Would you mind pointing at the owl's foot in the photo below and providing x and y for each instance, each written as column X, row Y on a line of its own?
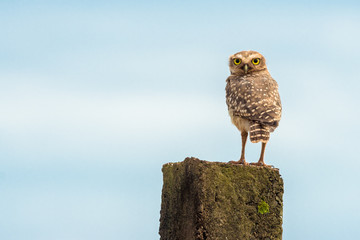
column 241, row 161
column 261, row 164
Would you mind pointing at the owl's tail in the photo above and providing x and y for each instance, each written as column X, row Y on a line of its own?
column 259, row 133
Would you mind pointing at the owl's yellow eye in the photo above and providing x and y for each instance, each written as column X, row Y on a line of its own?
column 256, row 61
column 237, row 61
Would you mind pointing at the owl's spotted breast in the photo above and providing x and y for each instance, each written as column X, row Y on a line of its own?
column 254, row 97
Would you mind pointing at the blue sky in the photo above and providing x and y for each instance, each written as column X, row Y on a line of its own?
column 95, row 97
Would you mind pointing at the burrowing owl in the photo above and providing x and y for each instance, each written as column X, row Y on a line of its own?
column 253, row 100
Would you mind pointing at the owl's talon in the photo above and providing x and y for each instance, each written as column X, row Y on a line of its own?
column 241, row 162
column 261, row 164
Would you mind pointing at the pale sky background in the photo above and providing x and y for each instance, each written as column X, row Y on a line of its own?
column 95, row 96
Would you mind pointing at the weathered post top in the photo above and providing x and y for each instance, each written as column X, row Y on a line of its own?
column 217, row 201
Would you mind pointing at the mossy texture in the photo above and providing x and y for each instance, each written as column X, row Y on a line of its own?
column 263, row 207
column 219, row 201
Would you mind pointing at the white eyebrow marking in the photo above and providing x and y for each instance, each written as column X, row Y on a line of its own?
column 254, row 55
column 238, row 55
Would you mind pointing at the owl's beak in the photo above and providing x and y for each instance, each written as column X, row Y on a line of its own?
column 246, row 68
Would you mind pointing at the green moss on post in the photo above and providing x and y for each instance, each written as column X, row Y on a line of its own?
column 263, row 207
column 209, row 201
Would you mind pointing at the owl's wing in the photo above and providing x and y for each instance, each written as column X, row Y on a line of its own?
column 257, row 100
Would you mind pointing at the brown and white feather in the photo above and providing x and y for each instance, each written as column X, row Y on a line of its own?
column 253, row 101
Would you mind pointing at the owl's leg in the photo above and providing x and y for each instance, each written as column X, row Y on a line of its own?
column 261, row 160
column 244, row 136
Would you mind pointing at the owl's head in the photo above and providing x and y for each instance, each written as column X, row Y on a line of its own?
column 246, row 62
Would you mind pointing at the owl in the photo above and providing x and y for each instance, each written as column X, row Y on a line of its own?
column 253, row 100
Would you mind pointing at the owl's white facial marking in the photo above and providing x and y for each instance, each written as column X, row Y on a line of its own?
column 252, row 56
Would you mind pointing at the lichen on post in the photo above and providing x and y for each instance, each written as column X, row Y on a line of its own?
column 210, row 200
